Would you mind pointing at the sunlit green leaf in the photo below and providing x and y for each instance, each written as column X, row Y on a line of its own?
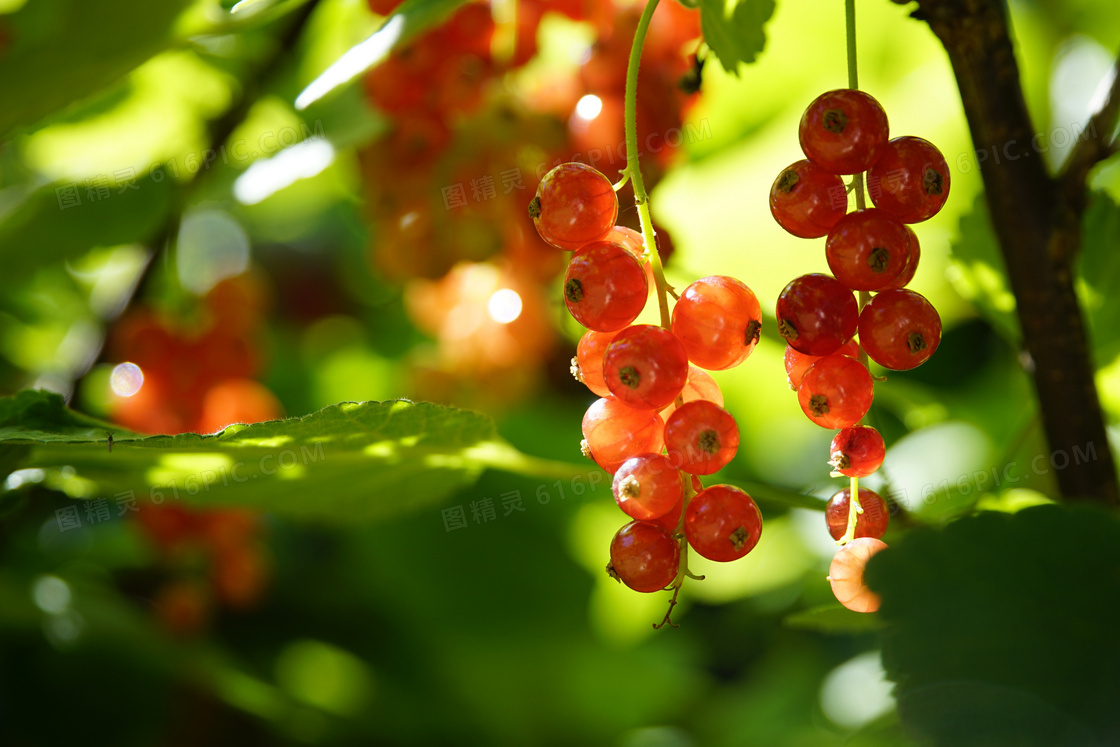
column 349, row 461
column 411, row 19
column 64, row 50
column 735, row 33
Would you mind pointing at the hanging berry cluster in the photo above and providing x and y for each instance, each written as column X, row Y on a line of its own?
column 870, row 250
column 660, row 423
column 468, row 137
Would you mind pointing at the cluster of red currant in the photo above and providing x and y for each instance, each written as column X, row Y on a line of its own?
column 871, row 250
column 198, row 378
column 469, row 137
column 655, row 397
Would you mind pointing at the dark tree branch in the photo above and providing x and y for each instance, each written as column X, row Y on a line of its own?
column 1037, row 221
column 1087, row 152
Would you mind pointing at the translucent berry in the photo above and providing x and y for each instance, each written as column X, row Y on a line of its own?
column 701, row 437
column 613, row 432
column 588, row 363
column 644, row 556
column 672, row 518
column 700, row 385
column 871, row 523
column 857, row 451
column 817, row 314
column 836, row 392
column 910, row 180
column 722, row 523
column 647, row 486
column 645, row 366
column 798, row 363
column 718, row 320
column 846, row 574
column 631, row 241
column 605, row 288
column 912, row 259
column 807, row 201
column 843, row 131
column 899, row 329
column 574, row 205
column 867, row 249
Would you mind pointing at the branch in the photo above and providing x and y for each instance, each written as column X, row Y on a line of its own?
column 1088, row 152
column 1037, row 221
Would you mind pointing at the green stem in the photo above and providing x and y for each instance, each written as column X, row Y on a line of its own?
column 853, row 82
column 854, row 510
column 633, row 168
column 850, row 24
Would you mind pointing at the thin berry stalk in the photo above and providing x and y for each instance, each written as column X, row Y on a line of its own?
column 633, row 169
column 854, row 510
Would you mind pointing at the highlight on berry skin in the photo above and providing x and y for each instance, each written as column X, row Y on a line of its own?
column 574, row 206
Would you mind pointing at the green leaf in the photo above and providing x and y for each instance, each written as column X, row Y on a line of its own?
column 833, row 618
column 348, row 462
column 735, row 32
column 46, row 228
column 979, row 274
column 411, row 19
column 1099, row 275
column 64, row 50
column 1001, row 628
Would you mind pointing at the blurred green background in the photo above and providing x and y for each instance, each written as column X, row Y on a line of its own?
column 162, row 196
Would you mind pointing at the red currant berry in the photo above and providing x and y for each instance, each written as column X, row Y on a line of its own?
column 631, row 241
column 722, row 523
column 605, row 288
column 807, row 201
column 798, row 363
column 647, row 486
column 718, row 320
column 699, row 386
column 701, row 437
column 910, row 180
column 817, row 314
column 857, row 451
column 867, row 250
column 627, row 238
column 574, row 205
column 899, row 329
column 587, row 366
column 645, row 366
column 843, row 131
column 671, row 519
column 871, row 523
column 912, row 258
column 845, row 574
column 836, row 392
column 644, row 556
column 613, row 432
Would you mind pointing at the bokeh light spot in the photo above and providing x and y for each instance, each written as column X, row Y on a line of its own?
column 126, row 379
column 504, row 306
column 589, row 107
